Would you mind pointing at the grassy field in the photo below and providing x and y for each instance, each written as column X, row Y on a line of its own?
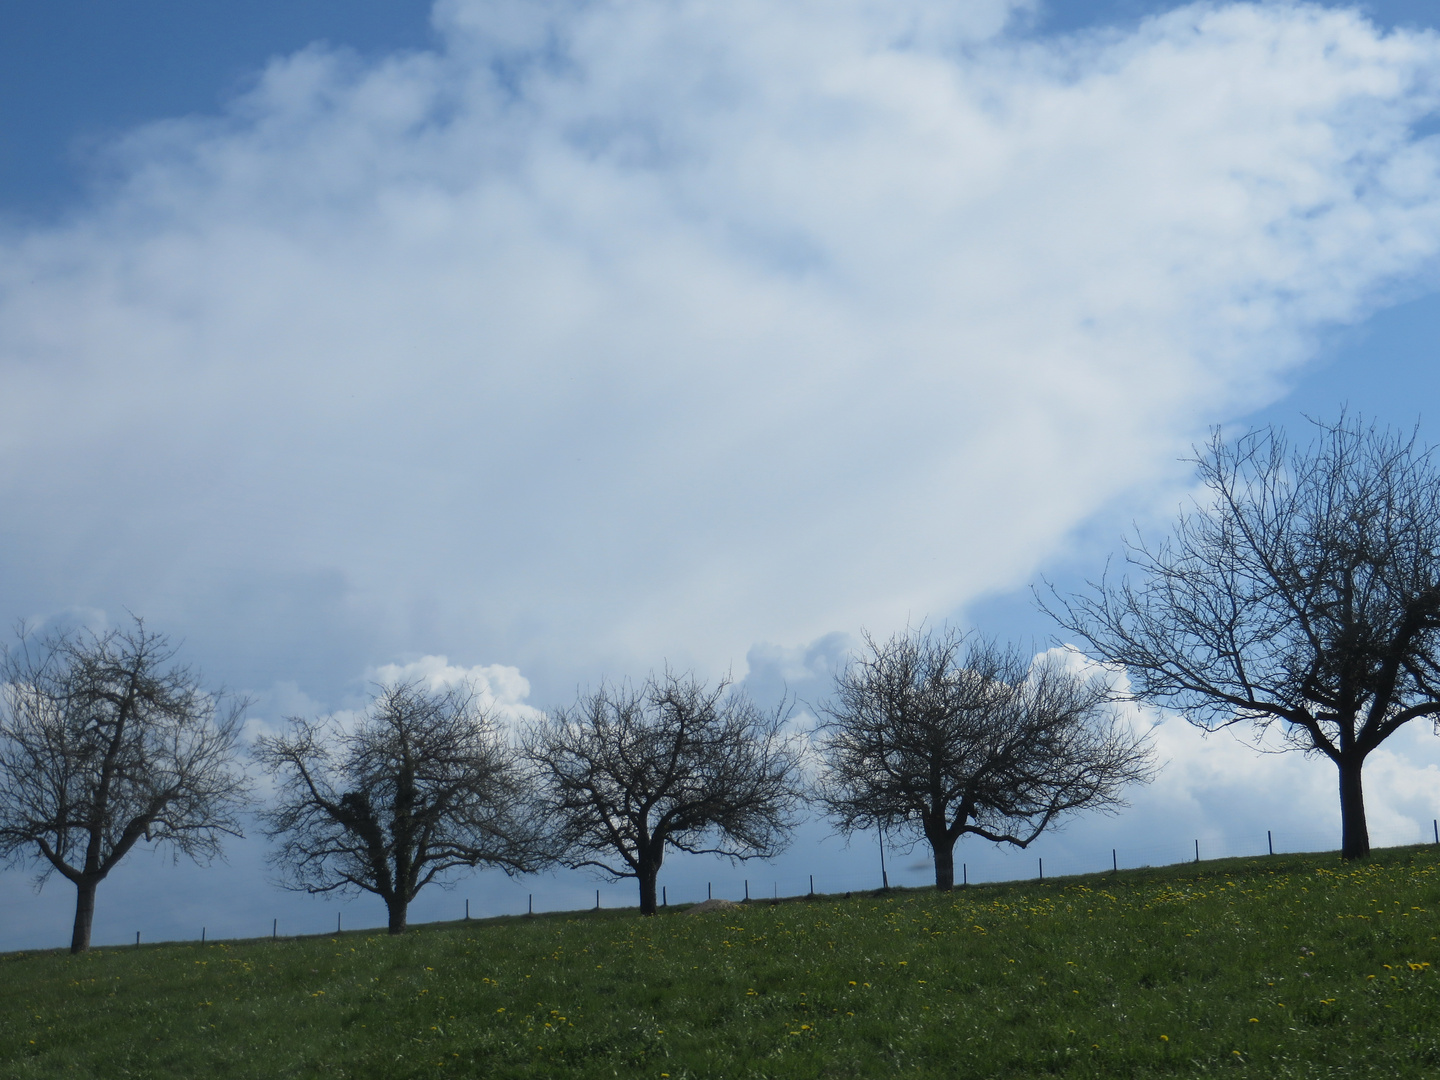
column 1291, row 966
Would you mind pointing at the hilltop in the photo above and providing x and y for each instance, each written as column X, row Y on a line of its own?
column 1288, row 966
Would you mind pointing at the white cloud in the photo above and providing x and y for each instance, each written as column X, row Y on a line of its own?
column 1218, row 788
column 499, row 690
column 618, row 331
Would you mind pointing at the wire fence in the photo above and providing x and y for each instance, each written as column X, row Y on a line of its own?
column 1015, row 865
column 992, row 866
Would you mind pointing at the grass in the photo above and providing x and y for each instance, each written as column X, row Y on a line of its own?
column 1289, row 966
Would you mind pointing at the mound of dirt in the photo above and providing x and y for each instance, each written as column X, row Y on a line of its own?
column 712, row 905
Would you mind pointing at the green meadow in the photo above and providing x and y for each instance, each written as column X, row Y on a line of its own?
column 1288, row 966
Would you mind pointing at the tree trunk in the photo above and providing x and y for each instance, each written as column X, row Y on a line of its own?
column 647, row 877
column 398, row 908
column 84, row 914
column 943, row 848
column 1354, row 834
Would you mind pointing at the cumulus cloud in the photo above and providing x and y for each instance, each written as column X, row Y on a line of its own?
column 1219, row 789
column 613, row 331
column 499, row 690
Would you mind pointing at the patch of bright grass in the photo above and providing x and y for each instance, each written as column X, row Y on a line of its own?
column 1292, row 966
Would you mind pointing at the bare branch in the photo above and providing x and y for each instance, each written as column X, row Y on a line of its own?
column 676, row 763
column 1303, row 595
column 423, row 785
column 939, row 736
column 104, row 743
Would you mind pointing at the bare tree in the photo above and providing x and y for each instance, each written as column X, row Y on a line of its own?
column 940, row 736
column 104, row 743
column 424, row 783
column 675, row 764
column 1301, row 594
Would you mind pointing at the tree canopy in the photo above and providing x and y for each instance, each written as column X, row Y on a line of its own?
column 1299, row 594
column 105, row 743
column 629, row 772
column 941, row 736
column 423, row 783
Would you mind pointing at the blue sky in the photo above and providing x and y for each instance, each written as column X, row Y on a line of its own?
column 561, row 340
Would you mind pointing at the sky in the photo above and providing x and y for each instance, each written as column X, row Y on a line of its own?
column 544, row 342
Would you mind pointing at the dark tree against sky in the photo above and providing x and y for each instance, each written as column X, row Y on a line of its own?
column 424, row 783
column 673, row 764
column 105, row 743
column 1300, row 594
column 939, row 736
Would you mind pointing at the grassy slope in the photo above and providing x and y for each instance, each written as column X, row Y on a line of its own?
column 1278, row 967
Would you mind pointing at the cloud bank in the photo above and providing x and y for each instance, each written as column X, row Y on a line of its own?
column 619, row 330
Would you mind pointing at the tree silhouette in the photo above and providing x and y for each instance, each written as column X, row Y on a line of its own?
column 104, row 743
column 674, row 764
column 422, row 784
column 1301, row 593
column 942, row 736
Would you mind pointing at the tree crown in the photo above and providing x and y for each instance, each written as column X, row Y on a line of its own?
column 940, row 734
column 422, row 783
column 105, row 742
column 676, row 763
column 1304, row 590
